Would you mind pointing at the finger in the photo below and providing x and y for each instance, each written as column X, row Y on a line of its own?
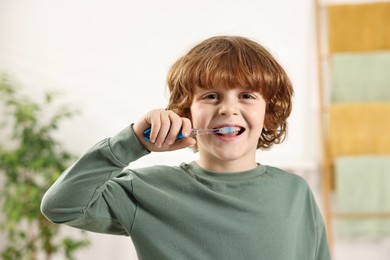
column 186, row 126
column 154, row 119
column 179, row 144
column 164, row 126
column 176, row 125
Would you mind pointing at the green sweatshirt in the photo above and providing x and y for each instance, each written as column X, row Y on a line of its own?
column 187, row 212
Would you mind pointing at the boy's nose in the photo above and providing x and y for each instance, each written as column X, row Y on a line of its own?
column 228, row 107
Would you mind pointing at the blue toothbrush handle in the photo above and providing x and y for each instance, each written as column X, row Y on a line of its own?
column 147, row 135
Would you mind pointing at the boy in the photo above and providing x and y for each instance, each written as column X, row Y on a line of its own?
column 223, row 206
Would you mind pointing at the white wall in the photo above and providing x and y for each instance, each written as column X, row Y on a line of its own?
column 110, row 59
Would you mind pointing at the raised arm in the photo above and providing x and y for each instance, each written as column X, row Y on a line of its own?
column 86, row 197
column 79, row 192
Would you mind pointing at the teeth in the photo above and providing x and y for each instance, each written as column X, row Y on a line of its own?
column 231, row 130
column 237, row 130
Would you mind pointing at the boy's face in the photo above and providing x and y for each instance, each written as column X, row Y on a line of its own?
column 219, row 107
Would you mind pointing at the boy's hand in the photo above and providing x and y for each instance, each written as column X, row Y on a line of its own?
column 165, row 126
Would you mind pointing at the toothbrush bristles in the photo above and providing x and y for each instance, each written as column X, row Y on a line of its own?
column 229, row 130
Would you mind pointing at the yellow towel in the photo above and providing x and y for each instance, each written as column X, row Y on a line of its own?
column 360, row 27
column 359, row 128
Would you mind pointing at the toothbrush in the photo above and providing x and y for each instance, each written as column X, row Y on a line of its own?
column 195, row 132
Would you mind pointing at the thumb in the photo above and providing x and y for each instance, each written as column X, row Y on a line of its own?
column 180, row 144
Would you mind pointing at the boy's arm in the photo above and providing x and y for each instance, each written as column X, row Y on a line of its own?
column 86, row 197
column 77, row 197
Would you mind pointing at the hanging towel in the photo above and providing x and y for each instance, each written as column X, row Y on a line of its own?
column 359, row 128
column 360, row 27
column 359, row 77
column 363, row 184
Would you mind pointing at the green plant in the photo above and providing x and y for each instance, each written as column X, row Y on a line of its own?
column 31, row 159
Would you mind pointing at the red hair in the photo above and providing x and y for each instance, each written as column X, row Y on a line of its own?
column 234, row 61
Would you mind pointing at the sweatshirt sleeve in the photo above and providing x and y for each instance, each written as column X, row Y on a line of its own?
column 323, row 252
column 83, row 196
column 322, row 247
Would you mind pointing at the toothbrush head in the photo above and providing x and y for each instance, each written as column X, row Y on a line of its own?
column 229, row 130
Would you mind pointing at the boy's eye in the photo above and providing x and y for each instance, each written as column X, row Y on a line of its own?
column 248, row 96
column 211, row 96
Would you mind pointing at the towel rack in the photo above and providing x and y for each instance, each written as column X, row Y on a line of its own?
column 325, row 49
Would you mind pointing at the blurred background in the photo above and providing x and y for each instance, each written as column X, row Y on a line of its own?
column 109, row 60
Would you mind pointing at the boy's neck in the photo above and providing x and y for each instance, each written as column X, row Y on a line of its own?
column 226, row 166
